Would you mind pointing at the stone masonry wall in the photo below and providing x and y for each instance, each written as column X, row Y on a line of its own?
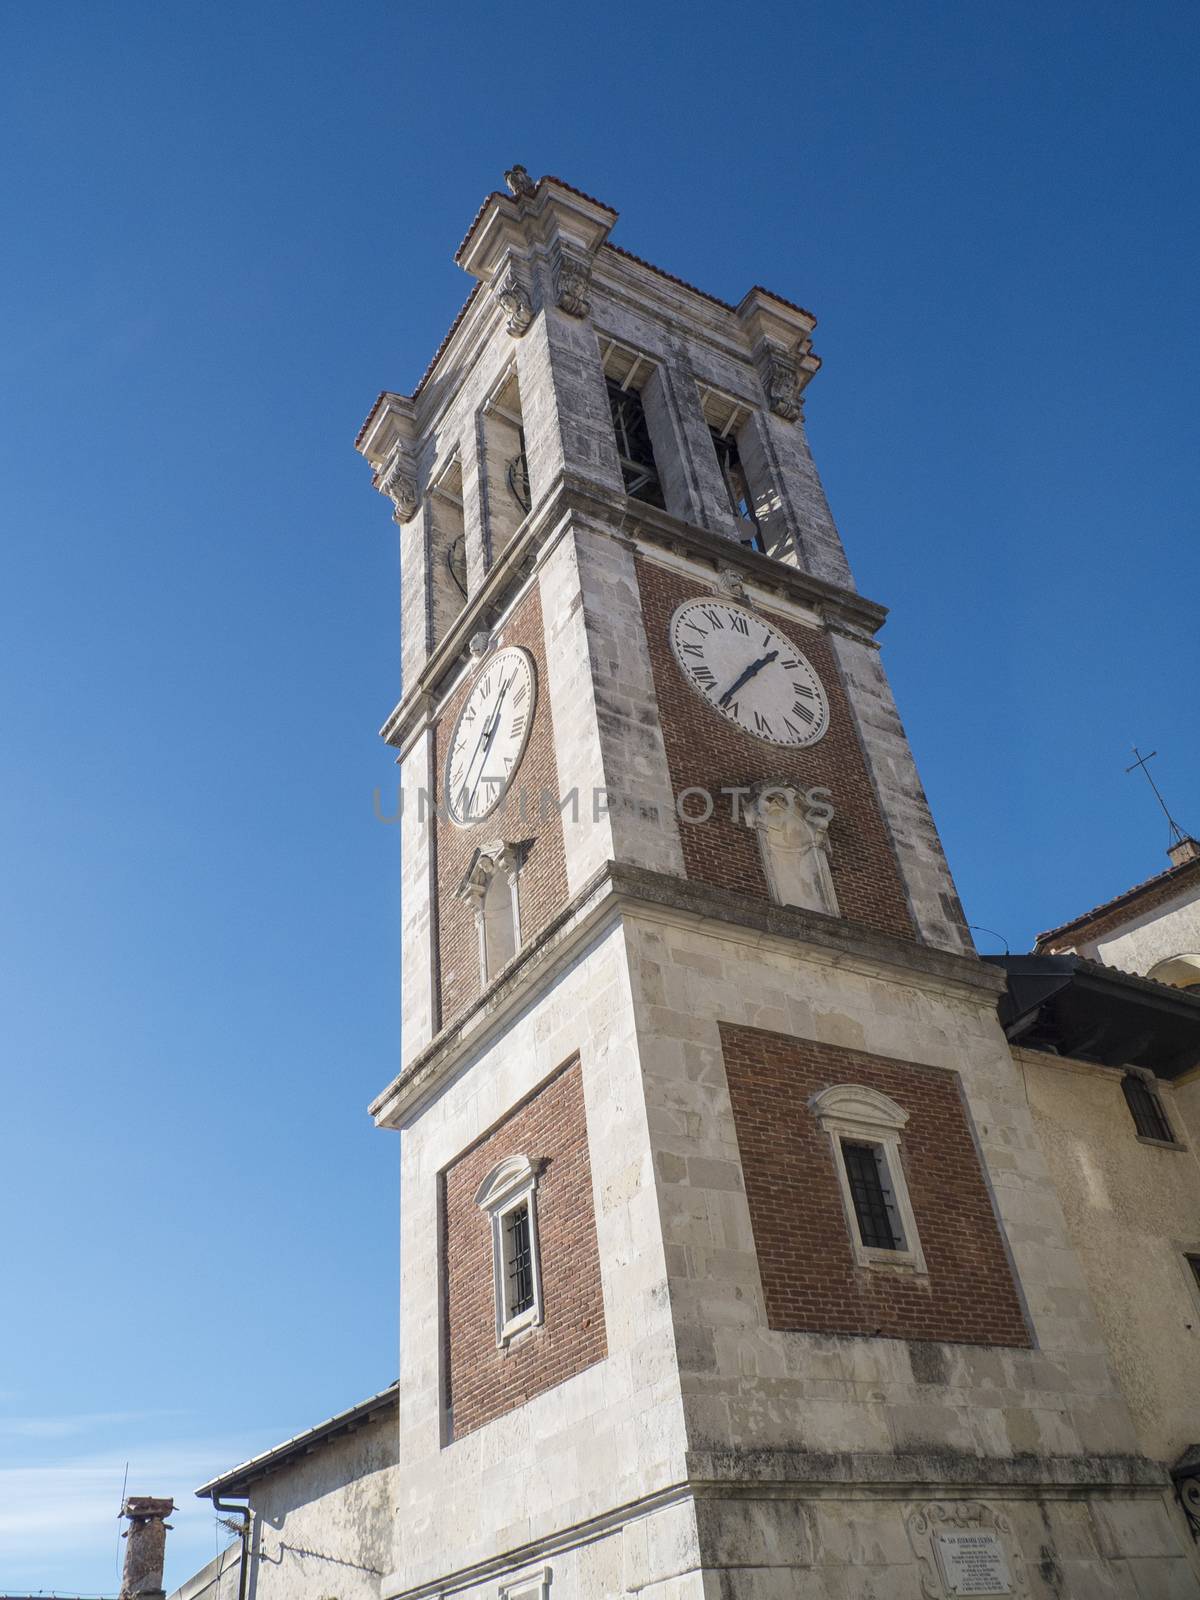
column 482, row 1381
column 706, row 751
column 809, row 1275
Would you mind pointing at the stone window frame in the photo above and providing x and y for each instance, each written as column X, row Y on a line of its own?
column 851, row 1111
column 767, row 532
column 1149, row 1080
column 510, row 1184
column 529, row 1586
column 629, row 369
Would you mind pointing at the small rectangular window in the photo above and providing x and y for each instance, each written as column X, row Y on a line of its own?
column 1194, row 1263
column 518, row 1261
column 871, row 1192
column 1146, row 1108
column 636, row 453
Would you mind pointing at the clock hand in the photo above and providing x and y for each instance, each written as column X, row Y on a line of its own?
column 486, row 737
column 754, row 667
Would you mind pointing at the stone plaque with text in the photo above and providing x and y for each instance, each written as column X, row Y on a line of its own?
column 973, row 1563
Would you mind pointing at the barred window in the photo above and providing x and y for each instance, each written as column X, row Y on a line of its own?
column 870, row 1190
column 509, row 1196
column 518, row 1260
column 1146, row 1108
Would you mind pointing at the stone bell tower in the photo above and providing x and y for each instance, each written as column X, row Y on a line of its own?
column 728, row 1255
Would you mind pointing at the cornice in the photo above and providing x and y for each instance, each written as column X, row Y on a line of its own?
column 620, row 890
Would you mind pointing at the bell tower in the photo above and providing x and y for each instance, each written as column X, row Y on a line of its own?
column 728, row 1255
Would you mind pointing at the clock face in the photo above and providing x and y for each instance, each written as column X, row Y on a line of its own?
column 490, row 735
column 749, row 672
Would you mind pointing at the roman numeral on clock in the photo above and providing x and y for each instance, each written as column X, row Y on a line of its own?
column 713, row 618
column 704, row 677
column 740, row 625
column 801, row 710
column 761, row 723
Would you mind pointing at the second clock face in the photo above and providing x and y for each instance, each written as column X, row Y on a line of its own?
column 749, row 672
column 490, row 735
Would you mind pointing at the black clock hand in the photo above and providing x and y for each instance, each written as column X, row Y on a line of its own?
column 754, row 667
column 488, row 734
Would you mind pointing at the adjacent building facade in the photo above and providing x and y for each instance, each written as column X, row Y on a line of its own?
column 735, row 1258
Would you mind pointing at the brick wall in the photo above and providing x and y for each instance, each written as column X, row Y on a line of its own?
column 543, row 880
column 483, row 1382
column 705, row 750
column 809, row 1275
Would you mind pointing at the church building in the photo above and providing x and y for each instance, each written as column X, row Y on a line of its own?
column 753, row 1228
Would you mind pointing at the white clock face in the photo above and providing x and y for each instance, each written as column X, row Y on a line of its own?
column 489, row 737
column 749, row 672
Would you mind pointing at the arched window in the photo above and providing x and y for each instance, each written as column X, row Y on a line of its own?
column 509, row 1196
column 1181, row 972
column 864, row 1129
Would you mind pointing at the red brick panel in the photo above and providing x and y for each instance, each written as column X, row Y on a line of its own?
column 810, row 1278
column 543, row 881
column 705, row 750
column 482, row 1381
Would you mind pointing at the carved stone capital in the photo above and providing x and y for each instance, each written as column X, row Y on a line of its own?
column 398, row 481
column 572, row 281
column 514, row 300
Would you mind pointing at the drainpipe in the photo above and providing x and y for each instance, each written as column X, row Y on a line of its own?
column 246, row 1515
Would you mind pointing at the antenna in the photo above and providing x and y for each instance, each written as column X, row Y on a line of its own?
column 124, row 1486
column 1177, row 833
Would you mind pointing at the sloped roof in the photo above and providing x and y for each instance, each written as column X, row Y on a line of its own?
column 237, row 1479
column 1127, row 897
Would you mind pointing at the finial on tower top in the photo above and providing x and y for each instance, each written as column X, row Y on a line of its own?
column 519, row 182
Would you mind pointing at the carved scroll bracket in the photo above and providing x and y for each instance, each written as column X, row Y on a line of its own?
column 398, row 480
column 514, row 300
column 572, row 280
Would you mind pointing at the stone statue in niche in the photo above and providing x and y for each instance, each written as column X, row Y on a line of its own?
column 793, row 838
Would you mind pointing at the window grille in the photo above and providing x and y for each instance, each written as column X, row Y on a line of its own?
column 872, row 1201
column 1146, row 1108
column 519, row 1251
column 636, row 453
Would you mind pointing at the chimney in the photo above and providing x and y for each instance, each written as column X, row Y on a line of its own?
column 142, row 1578
column 1183, row 851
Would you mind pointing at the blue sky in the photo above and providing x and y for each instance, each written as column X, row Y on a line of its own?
column 226, row 228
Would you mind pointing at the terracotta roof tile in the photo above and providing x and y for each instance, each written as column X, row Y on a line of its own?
column 1106, row 906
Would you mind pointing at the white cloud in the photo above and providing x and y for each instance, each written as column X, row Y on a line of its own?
column 59, row 1524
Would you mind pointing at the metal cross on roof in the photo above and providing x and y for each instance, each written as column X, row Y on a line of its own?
column 1177, row 833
